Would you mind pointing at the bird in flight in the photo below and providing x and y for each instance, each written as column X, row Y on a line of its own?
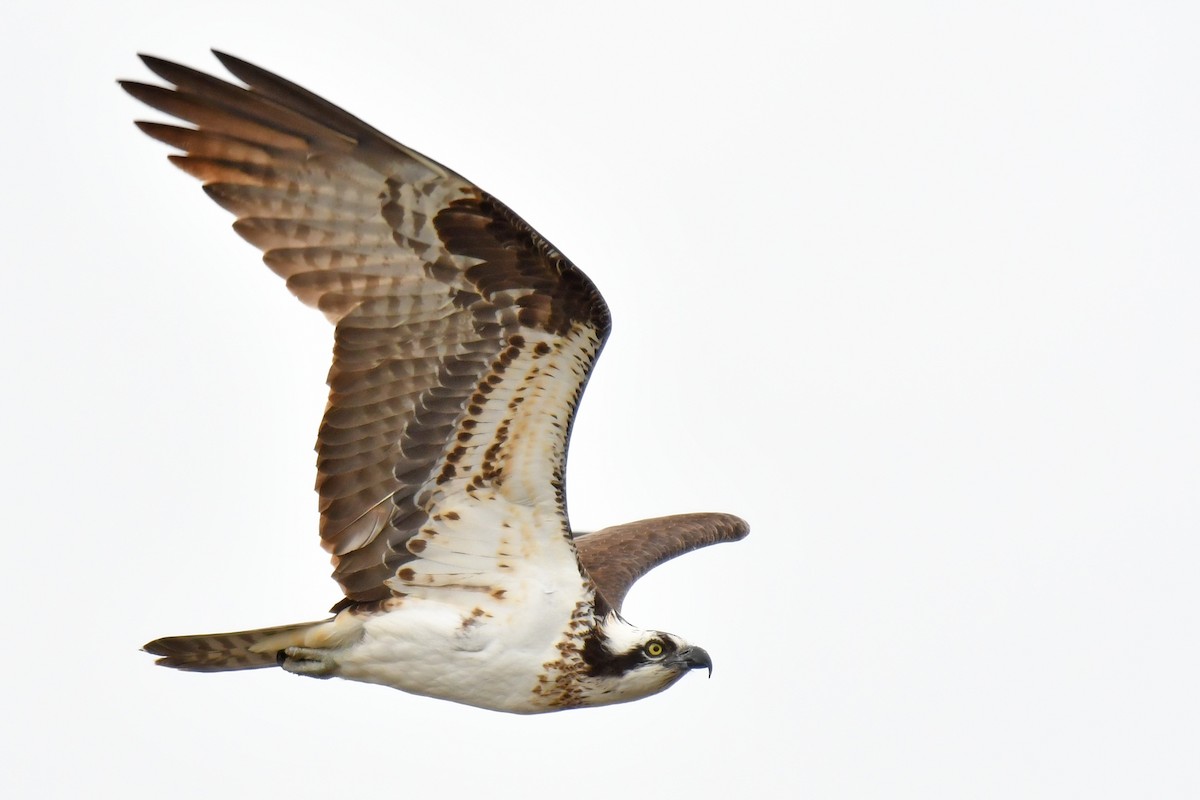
column 462, row 344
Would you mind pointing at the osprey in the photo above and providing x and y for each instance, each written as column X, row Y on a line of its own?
column 463, row 341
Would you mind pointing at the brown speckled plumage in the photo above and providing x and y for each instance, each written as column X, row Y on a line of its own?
column 463, row 341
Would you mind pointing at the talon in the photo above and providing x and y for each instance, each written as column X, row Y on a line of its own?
column 307, row 661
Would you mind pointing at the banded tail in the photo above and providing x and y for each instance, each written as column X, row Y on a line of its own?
column 221, row 652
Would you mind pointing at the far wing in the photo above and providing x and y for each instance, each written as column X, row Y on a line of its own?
column 616, row 557
column 463, row 338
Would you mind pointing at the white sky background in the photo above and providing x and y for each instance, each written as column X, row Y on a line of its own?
column 912, row 287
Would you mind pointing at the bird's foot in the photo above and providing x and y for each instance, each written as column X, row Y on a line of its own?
column 307, row 661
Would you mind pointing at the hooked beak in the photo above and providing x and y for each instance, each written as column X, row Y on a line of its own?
column 694, row 658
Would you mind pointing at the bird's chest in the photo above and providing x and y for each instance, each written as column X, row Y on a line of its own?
column 521, row 654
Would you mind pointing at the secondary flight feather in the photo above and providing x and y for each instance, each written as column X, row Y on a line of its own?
column 462, row 344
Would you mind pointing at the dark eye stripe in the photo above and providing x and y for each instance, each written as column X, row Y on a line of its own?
column 601, row 661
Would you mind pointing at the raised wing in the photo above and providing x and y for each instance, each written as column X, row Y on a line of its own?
column 463, row 339
column 616, row 557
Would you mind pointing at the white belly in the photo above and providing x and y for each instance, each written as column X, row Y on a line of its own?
column 495, row 656
column 484, row 612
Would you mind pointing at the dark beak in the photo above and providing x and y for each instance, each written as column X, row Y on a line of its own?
column 694, row 658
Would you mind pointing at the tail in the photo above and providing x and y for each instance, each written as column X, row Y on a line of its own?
column 220, row 652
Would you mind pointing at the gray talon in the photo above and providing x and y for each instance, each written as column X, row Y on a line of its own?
column 307, row 661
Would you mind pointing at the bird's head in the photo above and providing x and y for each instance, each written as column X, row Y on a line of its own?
column 623, row 662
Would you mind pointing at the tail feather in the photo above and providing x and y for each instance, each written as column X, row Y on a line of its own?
column 220, row 652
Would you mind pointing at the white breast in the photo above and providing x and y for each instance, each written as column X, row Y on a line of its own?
column 478, row 624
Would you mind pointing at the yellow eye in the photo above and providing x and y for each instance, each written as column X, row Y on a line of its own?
column 654, row 649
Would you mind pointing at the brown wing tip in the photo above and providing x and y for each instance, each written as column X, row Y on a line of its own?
column 162, row 68
column 717, row 526
column 139, row 90
column 735, row 527
column 233, row 63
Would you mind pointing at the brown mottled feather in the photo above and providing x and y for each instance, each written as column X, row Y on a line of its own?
column 616, row 557
column 433, row 286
